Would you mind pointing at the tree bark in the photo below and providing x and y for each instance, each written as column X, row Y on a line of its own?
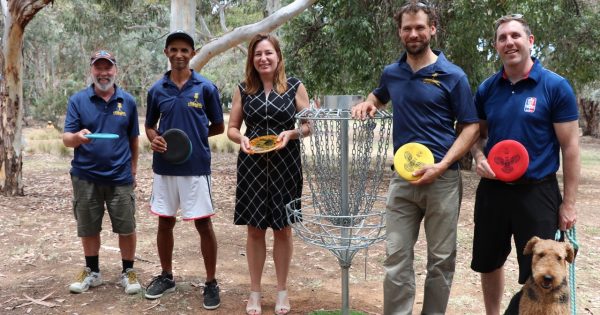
column 590, row 113
column 183, row 16
column 17, row 15
column 245, row 33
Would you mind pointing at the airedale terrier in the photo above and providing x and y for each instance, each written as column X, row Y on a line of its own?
column 547, row 291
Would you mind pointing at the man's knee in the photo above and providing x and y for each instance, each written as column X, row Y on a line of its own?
column 166, row 223
column 203, row 225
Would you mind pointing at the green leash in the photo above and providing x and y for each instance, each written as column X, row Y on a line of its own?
column 572, row 237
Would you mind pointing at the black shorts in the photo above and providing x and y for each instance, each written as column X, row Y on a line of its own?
column 503, row 210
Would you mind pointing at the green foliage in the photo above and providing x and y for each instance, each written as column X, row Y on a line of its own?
column 341, row 47
column 61, row 38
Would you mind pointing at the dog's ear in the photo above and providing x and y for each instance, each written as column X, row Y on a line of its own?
column 529, row 247
column 570, row 252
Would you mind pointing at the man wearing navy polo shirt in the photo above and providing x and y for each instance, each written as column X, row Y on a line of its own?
column 185, row 100
column 103, row 170
column 537, row 107
column 428, row 94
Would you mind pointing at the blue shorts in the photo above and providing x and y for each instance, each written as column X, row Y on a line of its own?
column 503, row 210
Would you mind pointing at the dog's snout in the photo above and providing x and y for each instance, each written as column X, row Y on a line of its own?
column 548, row 278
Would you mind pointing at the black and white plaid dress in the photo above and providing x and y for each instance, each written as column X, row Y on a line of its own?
column 267, row 182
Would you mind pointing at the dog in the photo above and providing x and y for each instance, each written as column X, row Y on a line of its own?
column 546, row 292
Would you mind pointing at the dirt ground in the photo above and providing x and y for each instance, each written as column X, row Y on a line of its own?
column 40, row 254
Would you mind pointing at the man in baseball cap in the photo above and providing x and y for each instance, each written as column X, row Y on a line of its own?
column 102, row 54
column 180, row 34
column 103, row 172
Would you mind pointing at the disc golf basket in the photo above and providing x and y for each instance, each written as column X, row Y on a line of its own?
column 343, row 161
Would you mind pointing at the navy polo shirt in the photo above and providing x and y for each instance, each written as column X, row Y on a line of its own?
column 103, row 161
column 427, row 103
column 526, row 112
column 191, row 109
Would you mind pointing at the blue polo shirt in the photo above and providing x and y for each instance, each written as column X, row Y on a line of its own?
column 191, row 109
column 103, row 161
column 526, row 112
column 427, row 103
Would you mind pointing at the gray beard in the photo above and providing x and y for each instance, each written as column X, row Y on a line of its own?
column 104, row 87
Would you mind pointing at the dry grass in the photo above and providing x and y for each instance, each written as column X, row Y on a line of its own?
column 49, row 140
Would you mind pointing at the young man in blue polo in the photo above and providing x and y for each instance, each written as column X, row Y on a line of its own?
column 429, row 95
column 103, row 171
column 527, row 103
column 185, row 100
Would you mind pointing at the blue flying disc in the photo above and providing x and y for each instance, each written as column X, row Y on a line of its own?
column 102, row 136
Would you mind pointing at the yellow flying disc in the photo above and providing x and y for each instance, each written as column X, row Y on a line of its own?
column 411, row 157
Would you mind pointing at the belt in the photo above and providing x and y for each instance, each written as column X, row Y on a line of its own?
column 530, row 181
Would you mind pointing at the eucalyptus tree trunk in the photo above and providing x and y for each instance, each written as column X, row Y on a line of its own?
column 271, row 6
column 17, row 15
column 183, row 16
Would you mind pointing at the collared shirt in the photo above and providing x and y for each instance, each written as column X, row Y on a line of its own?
column 526, row 111
column 103, row 161
column 427, row 103
column 191, row 109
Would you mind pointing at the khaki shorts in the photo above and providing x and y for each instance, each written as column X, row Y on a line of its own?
column 88, row 206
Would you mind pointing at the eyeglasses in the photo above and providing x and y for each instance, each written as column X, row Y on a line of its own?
column 419, row 4
column 102, row 53
column 509, row 17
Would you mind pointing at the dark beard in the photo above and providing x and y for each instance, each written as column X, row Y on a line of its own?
column 418, row 50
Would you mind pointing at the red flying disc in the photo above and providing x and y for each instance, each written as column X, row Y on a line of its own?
column 509, row 160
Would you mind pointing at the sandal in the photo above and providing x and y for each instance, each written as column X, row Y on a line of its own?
column 253, row 306
column 282, row 305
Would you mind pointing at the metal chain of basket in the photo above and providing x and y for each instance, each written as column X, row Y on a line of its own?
column 343, row 161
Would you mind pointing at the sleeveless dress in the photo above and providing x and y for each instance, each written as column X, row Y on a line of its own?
column 267, row 182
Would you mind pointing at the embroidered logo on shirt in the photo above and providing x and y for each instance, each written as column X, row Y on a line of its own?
column 195, row 102
column 433, row 80
column 530, row 104
column 119, row 111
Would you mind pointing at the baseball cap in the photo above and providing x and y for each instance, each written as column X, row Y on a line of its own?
column 102, row 54
column 180, row 34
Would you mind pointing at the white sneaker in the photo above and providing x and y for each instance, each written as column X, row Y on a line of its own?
column 130, row 282
column 85, row 280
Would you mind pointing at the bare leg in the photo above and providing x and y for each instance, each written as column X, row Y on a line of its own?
column 256, row 252
column 91, row 245
column 164, row 242
column 492, row 284
column 282, row 255
column 127, row 245
column 208, row 246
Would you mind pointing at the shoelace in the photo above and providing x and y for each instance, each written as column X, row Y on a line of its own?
column 81, row 276
column 132, row 277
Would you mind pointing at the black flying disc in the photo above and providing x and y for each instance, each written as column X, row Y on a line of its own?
column 179, row 146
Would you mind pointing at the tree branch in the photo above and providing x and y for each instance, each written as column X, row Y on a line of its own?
column 244, row 33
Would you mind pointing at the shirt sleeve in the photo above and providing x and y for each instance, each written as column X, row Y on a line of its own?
column 152, row 111
column 72, row 119
column 381, row 92
column 134, row 126
column 564, row 104
column 462, row 101
column 212, row 101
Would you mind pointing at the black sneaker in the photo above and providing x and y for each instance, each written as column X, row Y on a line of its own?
column 159, row 286
column 211, row 295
